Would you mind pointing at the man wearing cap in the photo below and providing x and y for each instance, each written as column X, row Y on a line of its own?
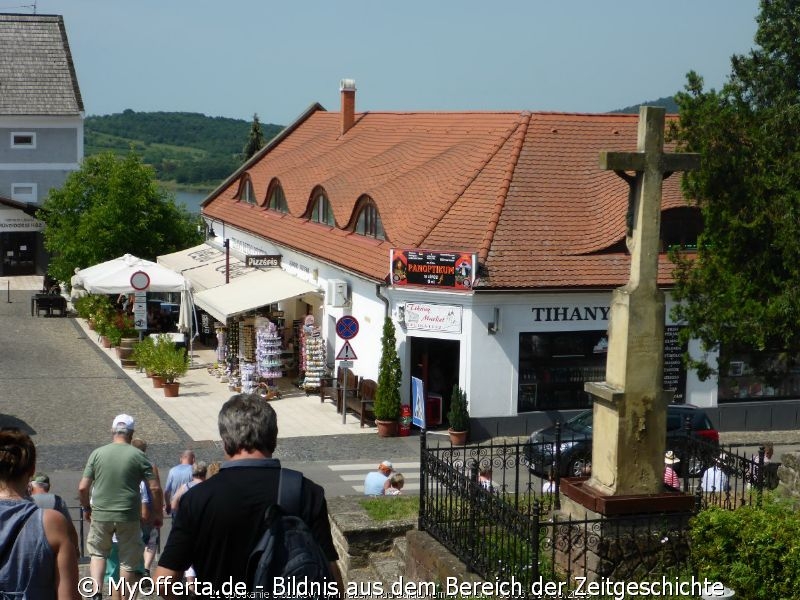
column 376, row 482
column 44, row 498
column 112, row 477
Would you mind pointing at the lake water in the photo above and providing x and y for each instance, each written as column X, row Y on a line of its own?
column 191, row 200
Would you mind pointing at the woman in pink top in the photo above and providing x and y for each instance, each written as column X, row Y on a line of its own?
column 670, row 476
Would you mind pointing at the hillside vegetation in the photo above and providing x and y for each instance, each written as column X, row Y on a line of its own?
column 185, row 149
column 191, row 150
column 668, row 102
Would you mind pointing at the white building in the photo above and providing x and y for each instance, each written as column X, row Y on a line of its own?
column 41, row 131
column 492, row 240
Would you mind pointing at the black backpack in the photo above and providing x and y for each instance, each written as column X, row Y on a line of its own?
column 287, row 549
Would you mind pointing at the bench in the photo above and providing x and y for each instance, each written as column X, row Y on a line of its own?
column 364, row 405
column 333, row 389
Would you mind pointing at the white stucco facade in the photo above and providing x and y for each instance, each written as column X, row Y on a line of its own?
column 487, row 326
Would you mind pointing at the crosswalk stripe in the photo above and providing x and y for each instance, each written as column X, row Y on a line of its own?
column 358, row 471
column 406, row 487
column 360, row 476
column 372, row 466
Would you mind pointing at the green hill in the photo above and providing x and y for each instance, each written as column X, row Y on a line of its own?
column 193, row 151
column 186, row 149
column 668, row 102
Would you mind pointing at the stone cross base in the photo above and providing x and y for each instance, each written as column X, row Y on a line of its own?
column 585, row 501
column 621, row 549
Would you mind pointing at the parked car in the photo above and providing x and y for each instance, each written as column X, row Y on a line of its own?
column 696, row 446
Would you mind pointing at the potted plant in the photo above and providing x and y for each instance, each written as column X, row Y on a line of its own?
column 124, row 336
column 387, row 396
column 169, row 362
column 143, row 355
column 458, row 417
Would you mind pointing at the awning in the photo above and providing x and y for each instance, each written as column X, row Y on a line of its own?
column 204, row 266
column 251, row 291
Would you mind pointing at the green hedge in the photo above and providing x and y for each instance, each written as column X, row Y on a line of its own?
column 754, row 551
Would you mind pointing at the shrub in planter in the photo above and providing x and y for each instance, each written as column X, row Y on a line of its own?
column 168, row 361
column 387, row 395
column 458, row 415
column 84, row 305
column 143, row 354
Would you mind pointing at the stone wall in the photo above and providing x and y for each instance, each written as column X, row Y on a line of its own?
column 357, row 537
column 789, row 476
column 428, row 560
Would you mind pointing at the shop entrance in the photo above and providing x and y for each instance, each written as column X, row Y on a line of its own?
column 436, row 363
column 18, row 249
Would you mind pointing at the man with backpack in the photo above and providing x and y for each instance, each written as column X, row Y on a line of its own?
column 238, row 527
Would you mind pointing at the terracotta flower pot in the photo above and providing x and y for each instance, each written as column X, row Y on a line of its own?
column 387, row 428
column 90, row 323
column 458, row 438
column 158, row 381
column 171, row 389
column 105, row 342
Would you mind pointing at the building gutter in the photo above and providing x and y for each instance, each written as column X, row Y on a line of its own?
column 381, row 297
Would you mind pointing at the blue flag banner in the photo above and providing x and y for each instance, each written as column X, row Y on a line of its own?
column 418, row 402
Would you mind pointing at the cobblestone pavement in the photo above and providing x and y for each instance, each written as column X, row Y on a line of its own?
column 58, row 386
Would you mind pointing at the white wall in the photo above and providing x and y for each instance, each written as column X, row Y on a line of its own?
column 488, row 362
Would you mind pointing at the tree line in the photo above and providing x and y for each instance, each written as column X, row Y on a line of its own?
column 185, row 148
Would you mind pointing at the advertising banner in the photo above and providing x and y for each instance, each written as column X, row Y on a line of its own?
column 443, row 318
column 432, row 269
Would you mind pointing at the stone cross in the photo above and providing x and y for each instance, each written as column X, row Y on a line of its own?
column 629, row 421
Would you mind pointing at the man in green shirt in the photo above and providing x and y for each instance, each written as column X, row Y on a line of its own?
column 111, row 478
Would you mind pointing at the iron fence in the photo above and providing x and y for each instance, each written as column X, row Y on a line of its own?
column 497, row 509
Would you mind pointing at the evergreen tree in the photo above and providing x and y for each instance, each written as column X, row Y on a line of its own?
column 255, row 140
column 387, row 396
column 741, row 288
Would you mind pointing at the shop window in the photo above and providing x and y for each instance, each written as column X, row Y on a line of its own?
column 749, row 375
column 554, row 366
column 369, row 222
column 23, row 140
column 23, row 192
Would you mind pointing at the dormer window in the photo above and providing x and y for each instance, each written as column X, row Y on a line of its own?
column 277, row 200
column 321, row 212
column 246, row 193
column 369, row 222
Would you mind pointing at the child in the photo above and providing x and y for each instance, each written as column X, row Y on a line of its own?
column 396, row 482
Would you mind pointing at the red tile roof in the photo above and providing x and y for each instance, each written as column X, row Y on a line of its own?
column 522, row 190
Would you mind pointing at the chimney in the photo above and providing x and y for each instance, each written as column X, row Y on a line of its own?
column 347, row 87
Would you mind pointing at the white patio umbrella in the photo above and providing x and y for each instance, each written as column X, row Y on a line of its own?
column 187, row 319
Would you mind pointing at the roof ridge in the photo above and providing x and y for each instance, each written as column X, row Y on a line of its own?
column 448, row 205
column 521, row 131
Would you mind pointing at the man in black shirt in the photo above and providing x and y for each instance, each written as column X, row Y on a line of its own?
column 220, row 520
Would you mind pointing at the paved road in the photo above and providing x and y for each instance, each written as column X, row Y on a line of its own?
column 56, row 384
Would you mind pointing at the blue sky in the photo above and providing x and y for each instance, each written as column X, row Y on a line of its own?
column 234, row 58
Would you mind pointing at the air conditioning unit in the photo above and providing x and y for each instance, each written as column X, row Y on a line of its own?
column 337, row 293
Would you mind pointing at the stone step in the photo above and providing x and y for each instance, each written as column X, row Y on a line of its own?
column 388, row 568
column 400, row 548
